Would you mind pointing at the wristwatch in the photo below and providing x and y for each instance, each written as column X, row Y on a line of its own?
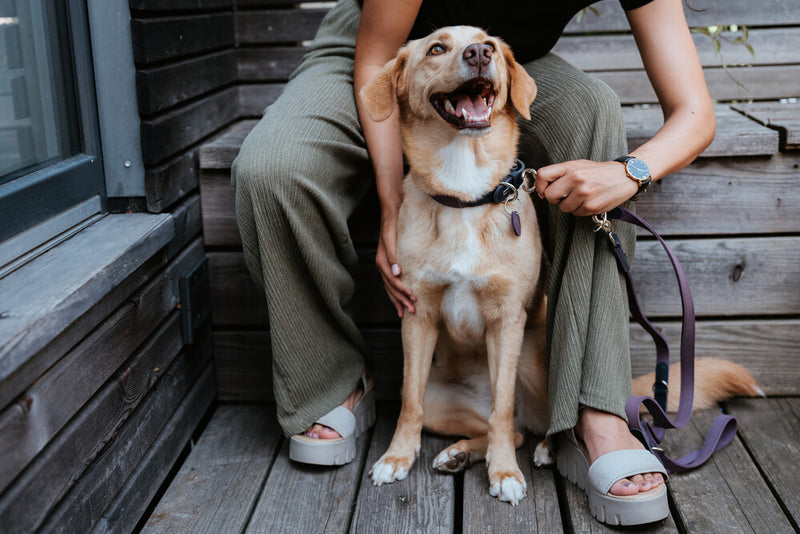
column 636, row 170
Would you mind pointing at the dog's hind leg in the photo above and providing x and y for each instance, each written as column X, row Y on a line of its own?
column 458, row 409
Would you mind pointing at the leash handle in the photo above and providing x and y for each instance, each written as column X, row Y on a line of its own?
column 723, row 429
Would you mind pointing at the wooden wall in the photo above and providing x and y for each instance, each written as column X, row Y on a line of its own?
column 733, row 216
column 92, row 429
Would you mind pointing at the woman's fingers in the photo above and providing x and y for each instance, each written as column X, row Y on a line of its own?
column 386, row 260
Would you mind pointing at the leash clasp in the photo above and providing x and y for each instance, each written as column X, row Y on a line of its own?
column 529, row 176
column 602, row 222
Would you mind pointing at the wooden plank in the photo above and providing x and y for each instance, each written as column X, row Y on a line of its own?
column 244, row 371
column 40, row 413
column 254, row 98
column 217, row 486
column 264, row 3
column 423, row 502
column 736, row 83
column 277, row 25
column 579, row 519
column 268, row 64
column 768, row 348
column 537, row 512
column 81, row 508
column 773, row 46
column 233, row 292
column 161, row 87
column 169, row 182
column 62, row 462
column 327, row 495
column 243, row 366
column 173, row 37
column 218, row 153
column 174, row 5
column 699, row 13
column 218, row 201
column 727, row 196
column 728, row 277
column 188, row 224
column 27, row 373
column 772, row 438
column 725, row 495
column 784, row 117
column 80, row 272
column 133, row 499
column 724, row 196
column 172, row 132
column 736, row 135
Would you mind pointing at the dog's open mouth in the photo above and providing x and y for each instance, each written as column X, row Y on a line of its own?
column 469, row 106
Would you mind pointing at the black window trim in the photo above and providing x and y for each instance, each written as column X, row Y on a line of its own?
column 40, row 196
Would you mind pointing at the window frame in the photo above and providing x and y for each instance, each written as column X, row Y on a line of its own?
column 44, row 207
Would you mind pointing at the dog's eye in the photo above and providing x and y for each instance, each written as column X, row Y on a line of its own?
column 491, row 46
column 436, row 50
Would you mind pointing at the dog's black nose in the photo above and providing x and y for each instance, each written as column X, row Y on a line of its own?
column 478, row 55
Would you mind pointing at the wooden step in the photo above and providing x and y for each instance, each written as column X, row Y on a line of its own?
column 238, row 478
column 781, row 116
column 736, row 135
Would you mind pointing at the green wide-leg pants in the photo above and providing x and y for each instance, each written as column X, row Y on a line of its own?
column 304, row 167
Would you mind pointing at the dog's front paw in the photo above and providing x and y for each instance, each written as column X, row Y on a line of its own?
column 508, row 487
column 451, row 460
column 542, row 455
column 389, row 469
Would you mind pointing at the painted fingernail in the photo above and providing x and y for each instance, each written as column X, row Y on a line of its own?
column 395, row 269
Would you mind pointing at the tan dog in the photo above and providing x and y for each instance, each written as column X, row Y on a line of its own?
column 476, row 281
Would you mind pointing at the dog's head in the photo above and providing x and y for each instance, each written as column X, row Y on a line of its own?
column 459, row 75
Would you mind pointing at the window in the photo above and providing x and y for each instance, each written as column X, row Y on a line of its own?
column 50, row 161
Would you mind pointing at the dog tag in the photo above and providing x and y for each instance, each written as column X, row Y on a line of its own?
column 515, row 223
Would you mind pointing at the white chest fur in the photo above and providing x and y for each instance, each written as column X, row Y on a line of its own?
column 457, row 268
column 460, row 170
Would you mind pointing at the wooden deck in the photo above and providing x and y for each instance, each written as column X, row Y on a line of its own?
column 238, row 478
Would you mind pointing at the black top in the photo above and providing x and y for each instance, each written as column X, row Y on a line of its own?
column 530, row 27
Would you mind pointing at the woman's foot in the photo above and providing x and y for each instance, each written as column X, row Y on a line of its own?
column 603, row 432
column 318, row 431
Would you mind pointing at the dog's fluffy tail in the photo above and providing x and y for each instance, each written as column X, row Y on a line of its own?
column 715, row 380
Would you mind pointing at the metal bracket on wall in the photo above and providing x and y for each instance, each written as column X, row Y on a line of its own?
column 195, row 294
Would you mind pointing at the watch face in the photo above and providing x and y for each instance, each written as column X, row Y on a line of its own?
column 638, row 169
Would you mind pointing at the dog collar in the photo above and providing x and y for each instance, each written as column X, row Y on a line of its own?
column 506, row 191
column 501, row 193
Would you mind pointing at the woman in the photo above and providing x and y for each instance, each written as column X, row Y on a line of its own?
column 304, row 167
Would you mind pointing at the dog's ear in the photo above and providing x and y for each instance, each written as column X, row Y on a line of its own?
column 379, row 95
column 521, row 87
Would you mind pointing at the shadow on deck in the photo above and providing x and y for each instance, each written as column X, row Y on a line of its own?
column 238, row 478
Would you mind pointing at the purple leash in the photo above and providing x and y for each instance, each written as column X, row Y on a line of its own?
column 723, row 429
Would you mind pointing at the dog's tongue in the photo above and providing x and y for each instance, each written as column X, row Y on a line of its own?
column 474, row 105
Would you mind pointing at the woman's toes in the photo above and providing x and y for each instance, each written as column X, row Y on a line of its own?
column 318, row 431
column 624, row 487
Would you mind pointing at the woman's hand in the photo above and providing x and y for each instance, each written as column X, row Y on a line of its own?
column 386, row 260
column 585, row 187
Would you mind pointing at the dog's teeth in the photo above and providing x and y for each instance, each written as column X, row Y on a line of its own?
column 465, row 115
column 448, row 107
